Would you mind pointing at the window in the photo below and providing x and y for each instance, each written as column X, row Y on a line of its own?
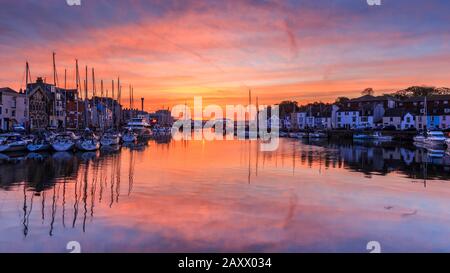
column 0, row 109
column 13, row 113
column 391, row 119
column 1, row 98
column 408, row 119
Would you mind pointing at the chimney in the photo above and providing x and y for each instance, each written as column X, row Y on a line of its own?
column 142, row 104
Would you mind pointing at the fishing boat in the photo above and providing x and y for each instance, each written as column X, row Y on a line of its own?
column 64, row 142
column 110, row 138
column 88, row 142
column 12, row 143
column 129, row 136
column 435, row 138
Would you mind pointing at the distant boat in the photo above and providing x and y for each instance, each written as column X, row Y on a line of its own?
column 12, row 143
column 110, row 138
column 377, row 136
column 140, row 126
column 420, row 138
column 64, row 142
column 435, row 138
column 298, row 135
column 40, row 142
column 88, row 142
column 317, row 135
column 129, row 136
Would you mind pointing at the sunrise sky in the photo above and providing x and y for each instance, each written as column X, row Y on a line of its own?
column 304, row 50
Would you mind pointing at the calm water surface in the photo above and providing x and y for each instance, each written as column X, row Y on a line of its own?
column 227, row 196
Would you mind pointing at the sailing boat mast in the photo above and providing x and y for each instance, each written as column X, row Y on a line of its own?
column 27, row 101
column 86, row 99
column 94, row 112
column 113, row 120
column 55, row 82
column 77, row 79
column 65, row 99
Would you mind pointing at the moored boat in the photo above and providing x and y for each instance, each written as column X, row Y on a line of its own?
column 110, row 138
column 12, row 143
column 64, row 142
column 88, row 142
column 129, row 136
column 315, row 135
column 40, row 142
column 435, row 138
column 375, row 136
column 140, row 127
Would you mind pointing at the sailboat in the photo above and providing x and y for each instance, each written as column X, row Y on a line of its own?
column 64, row 142
column 40, row 142
column 129, row 136
column 88, row 142
column 110, row 138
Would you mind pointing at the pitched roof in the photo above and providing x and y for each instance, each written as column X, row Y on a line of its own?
column 8, row 90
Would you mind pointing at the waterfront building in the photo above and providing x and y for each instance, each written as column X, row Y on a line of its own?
column 46, row 105
column 161, row 118
column 401, row 118
column 12, row 108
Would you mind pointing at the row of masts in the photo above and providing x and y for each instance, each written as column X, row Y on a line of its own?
column 82, row 95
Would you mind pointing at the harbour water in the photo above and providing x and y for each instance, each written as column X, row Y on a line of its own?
column 227, row 196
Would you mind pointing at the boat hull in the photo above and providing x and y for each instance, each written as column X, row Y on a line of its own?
column 38, row 147
column 13, row 148
column 88, row 146
column 110, row 141
column 129, row 138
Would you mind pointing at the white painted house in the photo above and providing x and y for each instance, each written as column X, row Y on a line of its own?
column 12, row 108
column 400, row 118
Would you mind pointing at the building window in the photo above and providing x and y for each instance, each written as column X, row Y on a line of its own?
column 391, row 119
column 408, row 119
column 1, row 98
column 13, row 113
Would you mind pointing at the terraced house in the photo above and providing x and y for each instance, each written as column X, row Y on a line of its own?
column 12, row 108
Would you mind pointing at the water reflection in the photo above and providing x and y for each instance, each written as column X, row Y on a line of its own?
column 158, row 195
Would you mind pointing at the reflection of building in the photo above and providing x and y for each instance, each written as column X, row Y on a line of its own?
column 12, row 108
